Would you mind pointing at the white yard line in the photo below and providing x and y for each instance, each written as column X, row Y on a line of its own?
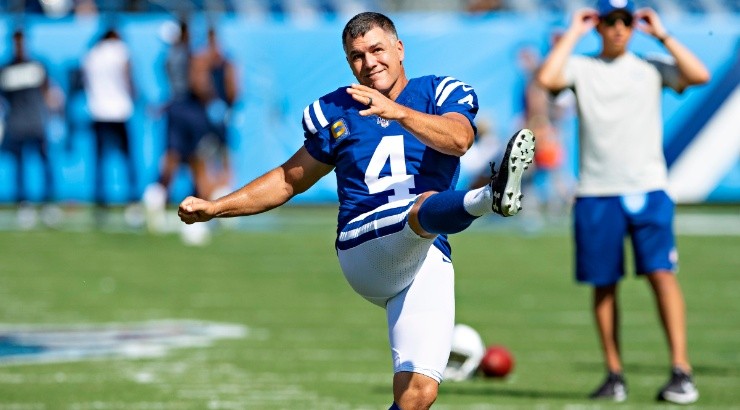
column 708, row 225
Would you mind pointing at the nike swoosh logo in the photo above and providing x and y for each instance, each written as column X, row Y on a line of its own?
column 444, row 259
column 466, row 88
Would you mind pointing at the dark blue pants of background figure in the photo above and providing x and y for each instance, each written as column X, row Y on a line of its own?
column 113, row 135
column 20, row 147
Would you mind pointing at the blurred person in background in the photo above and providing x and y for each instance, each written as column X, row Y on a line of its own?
column 484, row 6
column 29, row 96
column 479, row 158
column 215, row 76
column 177, row 63
column 394, row 145
column 204, row 88
column 547, row 187
column 109, row 89
column 85, row 8
column 623, row 176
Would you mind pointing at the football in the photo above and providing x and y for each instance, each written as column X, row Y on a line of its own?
column 497, row 362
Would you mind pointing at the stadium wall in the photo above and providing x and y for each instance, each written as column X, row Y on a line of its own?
column 286, row 65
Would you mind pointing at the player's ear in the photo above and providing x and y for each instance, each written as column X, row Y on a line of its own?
column 399, row 47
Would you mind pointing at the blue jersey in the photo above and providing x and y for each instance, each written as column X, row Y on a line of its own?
column 377, row 161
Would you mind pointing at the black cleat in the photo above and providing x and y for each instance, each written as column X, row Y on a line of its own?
column 506, row 183
column 614, row 388
column 680, row 389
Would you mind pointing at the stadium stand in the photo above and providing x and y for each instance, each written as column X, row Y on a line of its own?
column 58, row 8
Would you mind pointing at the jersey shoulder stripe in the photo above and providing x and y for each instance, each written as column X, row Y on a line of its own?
column 314, row 111
column 446, row 87
column 441, row 86
column 319, row 114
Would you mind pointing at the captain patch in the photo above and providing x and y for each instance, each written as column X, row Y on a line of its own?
column 339, row 129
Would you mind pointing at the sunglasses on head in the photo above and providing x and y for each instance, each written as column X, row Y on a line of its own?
column 612, row 19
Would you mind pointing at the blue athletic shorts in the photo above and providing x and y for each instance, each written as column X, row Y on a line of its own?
column 601, row 225
column 187, row 126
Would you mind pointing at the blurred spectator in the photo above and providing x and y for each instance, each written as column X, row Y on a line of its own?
column 483, row 6
column 85, row 7
column 25, row 86
column 478, row 159
column 622, row 180
column 109, row 89
column 204, row 88
column 50, row 8
column 549, row 189
column 215, row 77
column 177, row 64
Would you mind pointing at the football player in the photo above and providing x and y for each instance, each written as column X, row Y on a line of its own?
column 394, row 144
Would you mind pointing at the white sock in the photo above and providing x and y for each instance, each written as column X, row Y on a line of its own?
column 479, row 201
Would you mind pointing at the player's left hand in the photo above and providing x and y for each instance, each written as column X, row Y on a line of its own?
column 377, row 103
column 647, row 21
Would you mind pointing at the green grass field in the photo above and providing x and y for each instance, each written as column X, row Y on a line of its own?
column 311, row 343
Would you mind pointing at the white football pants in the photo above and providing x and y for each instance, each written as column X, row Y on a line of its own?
column 412, row 279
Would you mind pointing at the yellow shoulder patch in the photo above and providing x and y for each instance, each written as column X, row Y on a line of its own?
column 338, row 129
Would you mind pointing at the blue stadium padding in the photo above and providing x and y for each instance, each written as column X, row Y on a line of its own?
column 692, row 122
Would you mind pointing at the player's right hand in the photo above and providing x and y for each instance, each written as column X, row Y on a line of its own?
column 194, row 209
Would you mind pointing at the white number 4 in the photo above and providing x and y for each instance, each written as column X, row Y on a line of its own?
column 389, row 149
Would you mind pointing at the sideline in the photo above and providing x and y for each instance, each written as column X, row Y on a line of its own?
column 708, row 224
column 81, row 219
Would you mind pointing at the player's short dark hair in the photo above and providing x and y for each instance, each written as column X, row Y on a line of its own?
column 360, row 24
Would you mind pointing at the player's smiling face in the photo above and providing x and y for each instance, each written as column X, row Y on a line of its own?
column 375, row 59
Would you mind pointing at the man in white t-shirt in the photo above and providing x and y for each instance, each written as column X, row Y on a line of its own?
column 622, row 181
column 109, row 91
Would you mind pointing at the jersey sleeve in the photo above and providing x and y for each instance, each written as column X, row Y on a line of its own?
column 452, row 95
column 666, row 66
column 315, row 131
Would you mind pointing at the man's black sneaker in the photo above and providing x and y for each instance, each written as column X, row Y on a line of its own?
column 506, row 183
column 680, row 388
column 614, row 388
